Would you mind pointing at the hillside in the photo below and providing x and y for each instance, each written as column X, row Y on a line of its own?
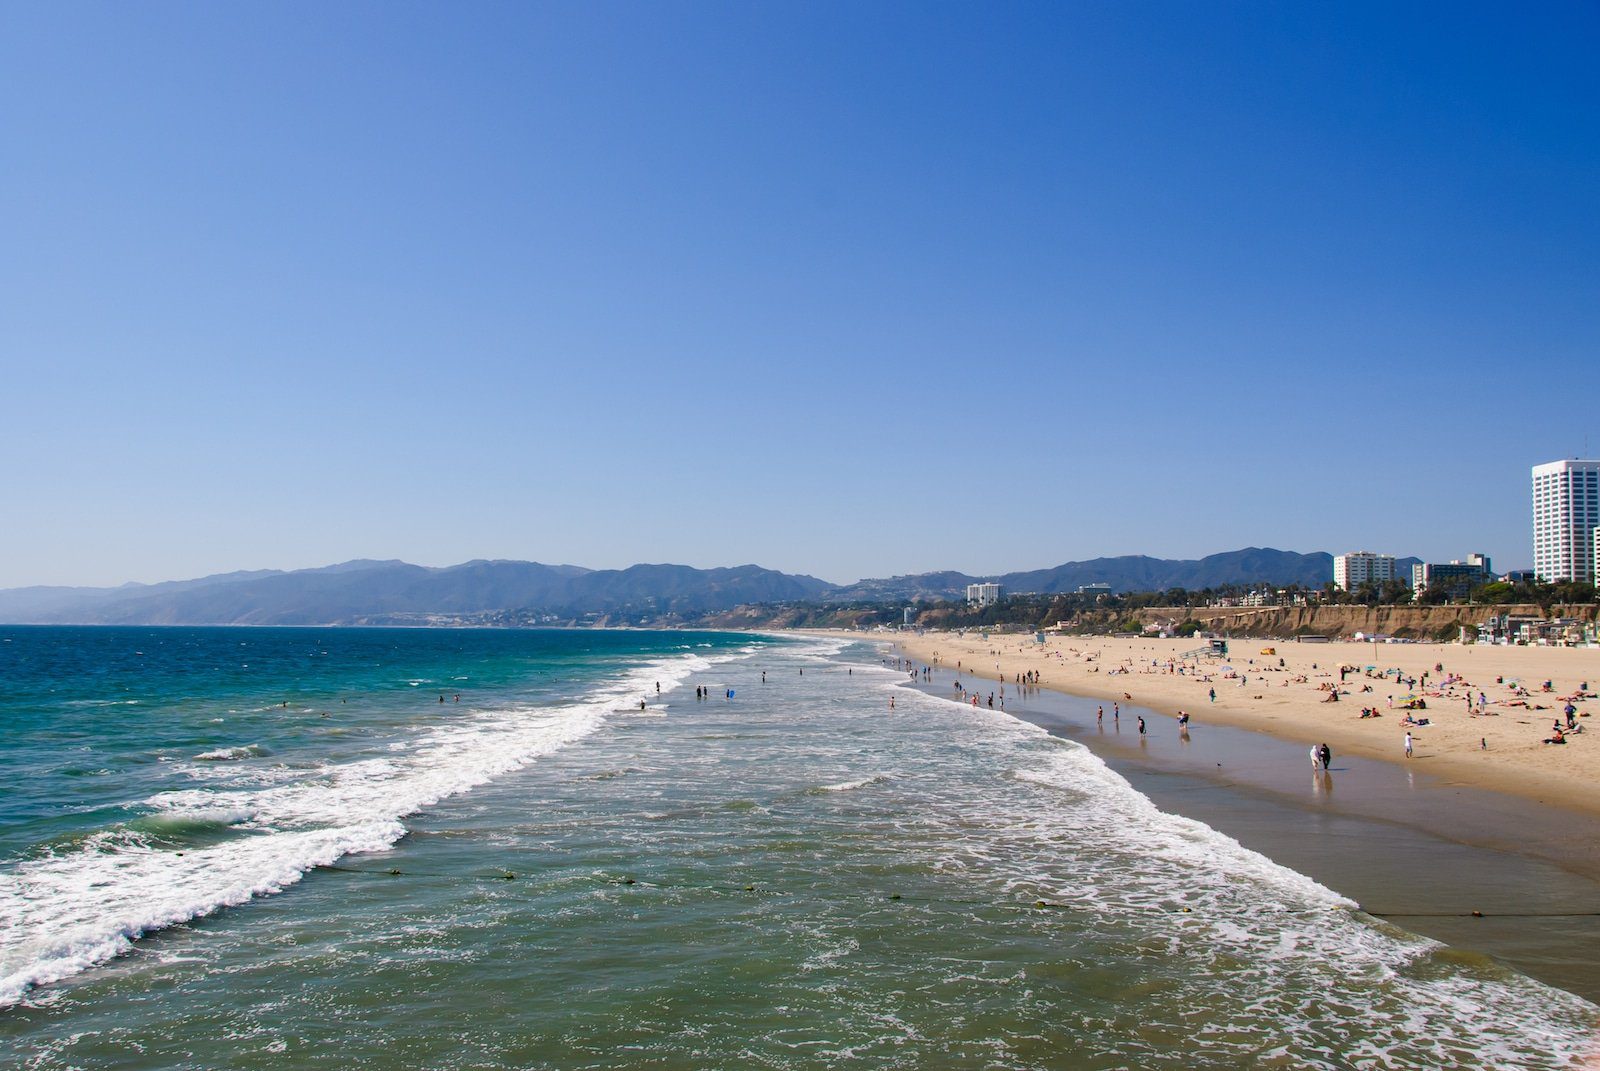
column 518, row 592
column 390, row 591
column 1135, row 572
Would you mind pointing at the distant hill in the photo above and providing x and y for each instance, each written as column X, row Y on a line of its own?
column 395, row 592
column 367, row 591
column 1252, row 565
column 945, row 585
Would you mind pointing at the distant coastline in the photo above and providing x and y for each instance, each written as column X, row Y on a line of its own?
column 519, row 593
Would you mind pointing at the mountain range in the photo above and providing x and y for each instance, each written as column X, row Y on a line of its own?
column 395, row 592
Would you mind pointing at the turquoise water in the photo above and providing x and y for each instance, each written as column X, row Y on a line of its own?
column 194, row 874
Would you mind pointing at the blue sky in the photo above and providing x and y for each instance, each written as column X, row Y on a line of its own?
column 835, row 288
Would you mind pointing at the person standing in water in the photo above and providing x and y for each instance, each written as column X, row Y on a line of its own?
column 1325, row 753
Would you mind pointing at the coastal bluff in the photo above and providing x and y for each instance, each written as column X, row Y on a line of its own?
column 1401, row 622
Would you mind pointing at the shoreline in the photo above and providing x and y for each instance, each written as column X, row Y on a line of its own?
column 1409, row 846
column 1284, row 697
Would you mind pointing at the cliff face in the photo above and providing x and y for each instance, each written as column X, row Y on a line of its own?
column 1407, row 622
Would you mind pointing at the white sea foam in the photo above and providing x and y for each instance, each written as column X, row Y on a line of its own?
column 851, row 786
column 1297, row 953
column 66, row 912
column 228, row 754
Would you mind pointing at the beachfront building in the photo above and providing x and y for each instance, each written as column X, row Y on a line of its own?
column 1359, row 567
column 1566, row 512
column 1455, row 578
column 983, row 594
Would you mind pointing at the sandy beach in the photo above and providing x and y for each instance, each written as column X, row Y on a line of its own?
column 1497, row 745
column 1494, row 850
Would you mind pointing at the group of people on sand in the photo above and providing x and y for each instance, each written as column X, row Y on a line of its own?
column 1338, row 682
column 1559, row 732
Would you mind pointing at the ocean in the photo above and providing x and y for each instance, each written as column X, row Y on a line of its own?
column 461, row 849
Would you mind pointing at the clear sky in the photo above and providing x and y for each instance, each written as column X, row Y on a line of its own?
column 846, row 289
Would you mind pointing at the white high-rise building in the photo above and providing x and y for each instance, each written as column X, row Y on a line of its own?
column 983, row 594
column 1566, row 512
column 1358, row 567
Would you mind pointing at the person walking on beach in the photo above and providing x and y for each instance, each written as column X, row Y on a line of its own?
column 1408, row 744
column 1213, row 695
column 1325, row 753
column 1316, row 757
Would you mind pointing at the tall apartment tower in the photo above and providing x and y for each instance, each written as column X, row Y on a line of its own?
column 1566, row 511
column 983, row 594
column 1358, row 567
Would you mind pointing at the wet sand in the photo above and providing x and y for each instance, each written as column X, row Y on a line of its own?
column 1408, row 846
column 1286, row 694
